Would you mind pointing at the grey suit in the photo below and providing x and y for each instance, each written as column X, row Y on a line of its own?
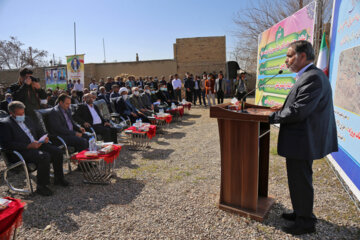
column 307, row 132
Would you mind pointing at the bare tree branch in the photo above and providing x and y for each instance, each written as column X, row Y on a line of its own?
column 13, row 56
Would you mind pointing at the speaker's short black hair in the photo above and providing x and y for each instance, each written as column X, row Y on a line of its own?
column 302, row 46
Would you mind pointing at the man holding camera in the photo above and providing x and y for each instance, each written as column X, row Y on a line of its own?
column 30, row 93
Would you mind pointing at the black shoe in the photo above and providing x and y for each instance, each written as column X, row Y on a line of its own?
column 43, row 190
column 297, row 229
column 62, row 182
column 289, row 216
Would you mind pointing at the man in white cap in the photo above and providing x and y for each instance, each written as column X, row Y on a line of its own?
column 125, row 108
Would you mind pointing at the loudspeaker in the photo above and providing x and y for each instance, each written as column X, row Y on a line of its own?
column 231, row 69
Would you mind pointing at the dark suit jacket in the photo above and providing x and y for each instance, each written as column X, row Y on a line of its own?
column 189, row 83
column 83, row 114
column 123, row 108
column 4, row 106
column 57, row 123
column 307, row 121
column 13, row 137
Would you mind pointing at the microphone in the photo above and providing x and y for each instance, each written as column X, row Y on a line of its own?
column 242, row 99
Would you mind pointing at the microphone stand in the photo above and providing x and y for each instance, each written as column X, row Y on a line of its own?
column 243, row 101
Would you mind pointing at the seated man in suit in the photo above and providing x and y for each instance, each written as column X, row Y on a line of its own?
column 61, row 124
column 21, row 134
column 88, row 115
column 146, row 98
column 126, row 109
column 136, row 101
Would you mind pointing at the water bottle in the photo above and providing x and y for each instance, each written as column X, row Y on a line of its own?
column 92, row 144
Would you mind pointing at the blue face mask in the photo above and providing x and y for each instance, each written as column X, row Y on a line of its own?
column 20, row 118
column 152, row 92
column 164, row 89
column 9, row 99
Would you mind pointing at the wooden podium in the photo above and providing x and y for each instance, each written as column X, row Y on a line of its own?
column 244, row 145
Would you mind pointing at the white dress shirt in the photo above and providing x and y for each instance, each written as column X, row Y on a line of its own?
column 94, row 114
column 78, row 87
column 27, row 131
column 176, row 83
column 298, row 74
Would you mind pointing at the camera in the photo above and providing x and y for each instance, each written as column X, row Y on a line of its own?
column 34, row 79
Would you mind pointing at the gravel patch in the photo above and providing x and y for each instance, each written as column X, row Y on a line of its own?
column 170, row 191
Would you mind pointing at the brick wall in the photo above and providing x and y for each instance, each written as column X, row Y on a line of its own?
column 196, row 55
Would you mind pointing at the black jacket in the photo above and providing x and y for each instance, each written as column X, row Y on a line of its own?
column 307, row 121
column 12, row 137
column 189, row 83
column 83, row 114
column 30, row 97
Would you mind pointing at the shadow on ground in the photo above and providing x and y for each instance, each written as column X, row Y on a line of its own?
column 76, row 199
column 330, row 229
column 157, row 154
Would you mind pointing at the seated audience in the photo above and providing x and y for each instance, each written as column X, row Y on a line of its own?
column 115, row 91
column 124, row 107
column 136, row 101
column 74, row 97
column 21, row 134
column 146, row 98
column 88, row 115
column 62, row 124
column 4, row 104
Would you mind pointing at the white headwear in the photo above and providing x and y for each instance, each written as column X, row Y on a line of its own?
column 123, row 89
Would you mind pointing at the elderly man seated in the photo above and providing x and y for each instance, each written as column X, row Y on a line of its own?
column 126, row 109
column 136, row 101
column 21, row 134
column 88, row 115
column 146, row 98
column 62, row 124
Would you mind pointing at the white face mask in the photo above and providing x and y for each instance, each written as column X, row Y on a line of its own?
column 136, row 93
column 125, row 96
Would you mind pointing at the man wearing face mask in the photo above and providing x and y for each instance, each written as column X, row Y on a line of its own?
column 88, row 115
column 146, row 98
column 4, row 104
column 307, row 132
column 124, row 107
column 136, row 101
column 21, row 134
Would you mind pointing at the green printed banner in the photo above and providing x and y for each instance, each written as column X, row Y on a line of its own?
column 270, row 100
column 272, row 49
column 280, row 45
column 280, row 86
column 272, row 67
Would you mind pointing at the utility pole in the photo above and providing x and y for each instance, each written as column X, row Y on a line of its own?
column 104, row 50
column 75, row 36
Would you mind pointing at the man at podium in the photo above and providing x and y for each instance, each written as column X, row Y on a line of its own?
column 307, row 132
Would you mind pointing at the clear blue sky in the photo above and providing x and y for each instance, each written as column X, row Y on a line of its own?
column 147, row 27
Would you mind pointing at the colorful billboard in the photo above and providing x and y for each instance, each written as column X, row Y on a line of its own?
column 344, row 77
column 75, row 67
column 55, row 77
column 273, row 45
